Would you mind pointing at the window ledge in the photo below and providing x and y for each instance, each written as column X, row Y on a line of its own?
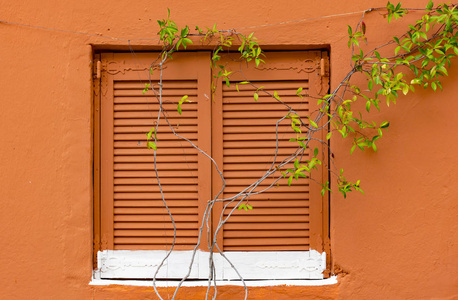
column 286, row 265
column 196, row 283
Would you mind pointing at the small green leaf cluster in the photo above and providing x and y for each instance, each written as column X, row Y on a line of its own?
column 354, row 37
column 171, row 35
column 147, row 87
column 151, row 140
column 429, row 45
column 180, row 103
column 296, row 122
column 245, row 207
column 250, row 49
column 302, row 170
column 346, row 186
column 395, row 11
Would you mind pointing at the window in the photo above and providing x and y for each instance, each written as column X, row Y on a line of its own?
column 132, row 227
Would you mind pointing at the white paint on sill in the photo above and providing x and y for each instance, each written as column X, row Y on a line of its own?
column 285, row 265
column 195, row 283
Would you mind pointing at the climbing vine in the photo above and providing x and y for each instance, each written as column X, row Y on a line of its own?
column 416, row 59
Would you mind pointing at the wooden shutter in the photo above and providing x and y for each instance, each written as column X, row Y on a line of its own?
column 133, row 215
column 244, row 142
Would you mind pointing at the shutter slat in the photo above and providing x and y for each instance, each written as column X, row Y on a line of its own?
column 161, row 144
column 153, row 180
column 144, row 151
column 168, row 107
column 285, row 247
column 268, row 85
column 152, row 115
column 157, row 232
column 267, row 211
column 282, row 128
column 150, row 166
column 155, row 203
column 163, row 137
column 265, row 233
column 266, row 99
column 160, row 158
column 163, row 246
column 266, row 241
column 262, row 226
column 165, row 93
column 167, row 195
column 153, row 188
column 257, row 107
column 249, row 93
column 163, row 217
column 155, row 225
column 148, row 174
column 255, row 159
column 161, row 129
column 248, row 219
column 175, row 122
column 159, row 240
column 294, row 188
column 154, row 210
column 254, row 145
column 167, row 84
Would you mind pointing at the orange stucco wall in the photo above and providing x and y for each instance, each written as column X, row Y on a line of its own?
column 398, row 241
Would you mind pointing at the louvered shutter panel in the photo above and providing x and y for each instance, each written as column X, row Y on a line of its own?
column 284, row 217
column 133, row 214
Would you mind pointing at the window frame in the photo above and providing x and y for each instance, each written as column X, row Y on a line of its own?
column 320, row 244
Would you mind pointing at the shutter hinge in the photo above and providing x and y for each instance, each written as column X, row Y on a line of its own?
column 98, row 69
column 324, row 66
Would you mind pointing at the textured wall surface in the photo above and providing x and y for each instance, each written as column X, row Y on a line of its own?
column 398, row 241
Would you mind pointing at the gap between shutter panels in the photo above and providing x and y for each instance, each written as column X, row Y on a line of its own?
column 140, row 219
column 280, row 217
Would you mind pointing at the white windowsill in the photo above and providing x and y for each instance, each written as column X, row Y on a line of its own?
column 195, row 283
column 266, row 266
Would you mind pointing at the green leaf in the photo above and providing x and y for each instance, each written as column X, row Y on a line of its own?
column 299, row 90
column 315, row 151
column 256, row 96
column 313, row 124
column 290, row 179
column 370, row 84
column 328, row 136
column 150, row 133
column 296, row 164
column 276, row 95
column 352, row 149
column 385, row 124
column 405, row 89
column 151, row 145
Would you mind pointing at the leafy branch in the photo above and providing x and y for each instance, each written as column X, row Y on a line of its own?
column 419, row 57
